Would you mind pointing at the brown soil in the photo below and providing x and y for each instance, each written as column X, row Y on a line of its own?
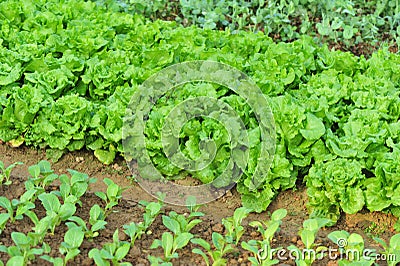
column 364, row 223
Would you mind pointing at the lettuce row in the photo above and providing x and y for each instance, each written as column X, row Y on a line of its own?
column 69, row 68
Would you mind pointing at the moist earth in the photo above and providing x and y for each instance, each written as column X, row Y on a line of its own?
column 129, row 210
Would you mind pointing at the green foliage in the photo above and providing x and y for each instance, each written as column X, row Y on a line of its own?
column 70, row 247
column 23, row 251
column 16, row 209
column 3, row 221
column 55, row 211
column 96, row 220
column 72, row 241
column 152, row 210
column 72, row 188
column 308, row 234
column 41, row 174
column 397, row 226
column 222, row 244
column 28, row 247
column 112, row 195
column 347, row 22
column 5, row 173
column 113, row 252
column 178, row 223
column 7, row 205
column 352, row 247
column 262, row 249
column 171, row 243
column 338, row 183
column 65, row 84
column 392, row 251
column 180, row 227
column 233, row 225
column 136, row 230
column 221, row 247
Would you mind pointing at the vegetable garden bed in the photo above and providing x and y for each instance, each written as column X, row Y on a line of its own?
column 367, row 224
column 68, row 71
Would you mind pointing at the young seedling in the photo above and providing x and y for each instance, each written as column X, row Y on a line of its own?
column 262, row 250
column 222, row 247
column 3, row 221
column 392, row 251
column 223, row 244
column 40, row 230
column 55, row 212
column 308, row 234
column 96, row 220
column 113, row 252
column 157, row 261
column 9, row 206
column 22, row 251
column 5, row 173
column 41, row 174
column 180, row 226
column 70, row 247
column 136, row 230
column 152, row 210
column 170, row 244
column 112, row 195
column 15, row 209
column 72, row 188
column 26, row 202
column 178, row 223
column 352, row 249
column 233, row 225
